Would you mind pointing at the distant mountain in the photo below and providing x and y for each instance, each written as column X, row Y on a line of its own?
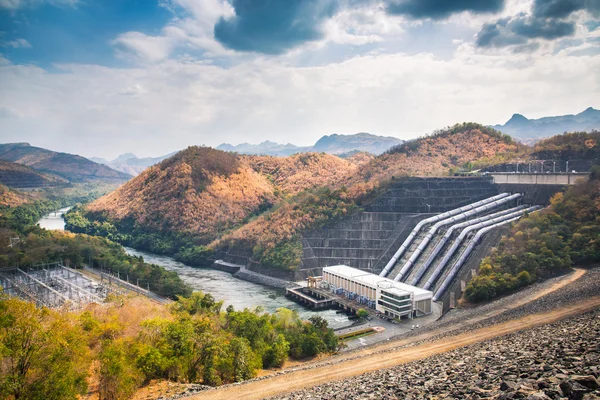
column 531, row 129
column 331, row 144
column 266, row 148
column 19, row 176
column 98, row 160
column 68, row 166
column 340, row 144
column 130, row 163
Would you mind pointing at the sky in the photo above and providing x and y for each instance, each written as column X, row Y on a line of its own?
column 105, row 77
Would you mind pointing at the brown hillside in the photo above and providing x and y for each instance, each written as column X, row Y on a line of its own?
column 296, row 173
column 432, row 155
column 20, row 176
column 69, row 166
column 204, row 192
column 200, row 190
column 436, row 154
column 11, row 198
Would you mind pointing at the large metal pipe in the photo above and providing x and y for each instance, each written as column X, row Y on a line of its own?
column 438, row 270
column 463, row 257
column 386, row 270
column 442, row 242
column 433, row 230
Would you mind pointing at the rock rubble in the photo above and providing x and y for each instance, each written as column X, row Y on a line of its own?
column 556, row 361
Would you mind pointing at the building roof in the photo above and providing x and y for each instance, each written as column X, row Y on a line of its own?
column 346, row 271
column 374, row 281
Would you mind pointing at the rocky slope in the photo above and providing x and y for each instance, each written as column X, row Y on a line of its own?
column 533, row 129
column 556, row 361
column 68, row 166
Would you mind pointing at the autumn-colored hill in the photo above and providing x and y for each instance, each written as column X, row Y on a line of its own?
column 579, row 145
column 204, row 192
column 440, row 152
column 12, row 198
column 69, row 166
column 20, row 176
column 199, row 190
column 299, row 172
column 262, row 204
column 273, row 237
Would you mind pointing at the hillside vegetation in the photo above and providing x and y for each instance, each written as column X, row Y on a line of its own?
column 293, row 174
column 20, row 176
column 48, row 354
column 202, row 199
column 545, row 243
column 11, row 198
column 69, row 166
column 441, row 153
column 576, row 145
column 199, row 191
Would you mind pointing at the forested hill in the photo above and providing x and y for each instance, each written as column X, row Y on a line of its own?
column 262, row 203
column 446, row 150
column 204, row 192
column 21, row 176
column 68, row 166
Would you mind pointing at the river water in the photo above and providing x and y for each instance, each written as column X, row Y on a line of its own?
column 221, row 285
column 54, row 221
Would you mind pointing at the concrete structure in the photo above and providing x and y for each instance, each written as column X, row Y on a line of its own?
column 394, row 299
column 537, row 179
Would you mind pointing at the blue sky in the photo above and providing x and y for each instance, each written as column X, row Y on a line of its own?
column 106, row 77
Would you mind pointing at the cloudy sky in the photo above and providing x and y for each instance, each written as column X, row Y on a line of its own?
column 103, row 77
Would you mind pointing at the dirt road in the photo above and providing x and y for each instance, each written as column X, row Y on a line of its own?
column 372, row 359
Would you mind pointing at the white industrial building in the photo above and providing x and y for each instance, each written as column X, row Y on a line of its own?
column 394, row 299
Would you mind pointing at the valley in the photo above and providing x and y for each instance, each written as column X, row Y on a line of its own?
column 300, row 199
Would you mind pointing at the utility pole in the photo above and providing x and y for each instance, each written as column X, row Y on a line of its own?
column 567, row 168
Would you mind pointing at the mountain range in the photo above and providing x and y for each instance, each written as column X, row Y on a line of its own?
column 529, row 130
column 62, row 166
column 330, row 144
column 130, row 163
column 260, row 203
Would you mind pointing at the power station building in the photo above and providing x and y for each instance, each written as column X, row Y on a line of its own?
column 391, row 298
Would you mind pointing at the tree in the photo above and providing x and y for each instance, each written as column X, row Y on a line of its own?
column 362, row 313
column 43, row 353
column 245, row 361
column 119, row 377
column 277, row 353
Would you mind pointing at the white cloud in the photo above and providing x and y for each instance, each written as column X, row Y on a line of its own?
column 366, row 23
column 175, row 103
column 17, row 43
column 17, row 4
column 144, row 48
column 191, row 29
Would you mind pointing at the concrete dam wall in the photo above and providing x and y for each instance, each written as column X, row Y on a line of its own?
column 368, row 239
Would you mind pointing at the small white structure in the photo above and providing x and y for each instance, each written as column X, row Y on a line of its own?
column 394, row 299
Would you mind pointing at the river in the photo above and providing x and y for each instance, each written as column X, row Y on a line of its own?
column 54, row 221
column 221, row 285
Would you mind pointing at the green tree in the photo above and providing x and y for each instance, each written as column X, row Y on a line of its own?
column 362, row 313
column 43, row 353
column 119, row 376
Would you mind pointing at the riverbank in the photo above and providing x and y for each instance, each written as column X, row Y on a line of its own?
column 246, row 290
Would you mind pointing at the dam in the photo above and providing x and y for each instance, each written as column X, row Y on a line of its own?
column 428, row 232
